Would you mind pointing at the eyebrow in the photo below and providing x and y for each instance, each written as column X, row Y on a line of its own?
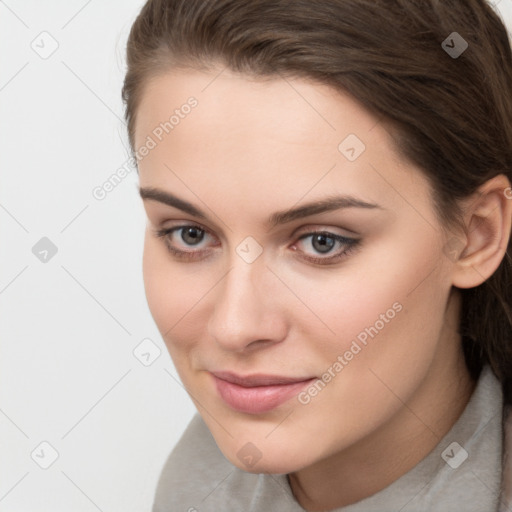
column 328, row 204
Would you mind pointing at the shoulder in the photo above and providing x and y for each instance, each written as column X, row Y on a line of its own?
column 506, row 481
column 194, row 463
column 195, row 447
column 197, row 477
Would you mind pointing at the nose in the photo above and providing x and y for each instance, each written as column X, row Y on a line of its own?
column 246, row 313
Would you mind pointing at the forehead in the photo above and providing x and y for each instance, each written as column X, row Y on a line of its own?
column 296, row 109
column 292, row 135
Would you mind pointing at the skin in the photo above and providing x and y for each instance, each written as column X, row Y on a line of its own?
column 254, row 147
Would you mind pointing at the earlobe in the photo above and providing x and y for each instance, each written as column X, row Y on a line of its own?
column 488, row 218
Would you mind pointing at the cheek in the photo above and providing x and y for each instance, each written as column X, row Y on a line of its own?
column 389, row 300
column 166, row 294
column 387, row 322
column 174, row 293
column 391, row 323
column 155, row 278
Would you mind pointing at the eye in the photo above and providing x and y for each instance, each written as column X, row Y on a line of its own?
column 332, row 246
column 192, row 235
column 191, row 242
column 181, row 238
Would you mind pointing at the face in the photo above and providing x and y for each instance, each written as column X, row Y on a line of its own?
column 293, row 263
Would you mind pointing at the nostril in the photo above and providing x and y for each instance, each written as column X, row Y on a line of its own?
column 258, row 344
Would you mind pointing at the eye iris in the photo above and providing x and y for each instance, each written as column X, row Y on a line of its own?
column 323, row 243
column 192, row 235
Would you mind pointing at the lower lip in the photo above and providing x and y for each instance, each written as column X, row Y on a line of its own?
column 258, row 399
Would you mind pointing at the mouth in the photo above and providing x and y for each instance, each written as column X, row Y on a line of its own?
column 256, row 394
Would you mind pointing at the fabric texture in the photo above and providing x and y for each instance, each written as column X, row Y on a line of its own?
column 462, row 473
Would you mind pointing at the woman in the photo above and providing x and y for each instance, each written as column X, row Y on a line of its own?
column 327, row 186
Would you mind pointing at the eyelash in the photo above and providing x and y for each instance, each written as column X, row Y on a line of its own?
column 350, row 243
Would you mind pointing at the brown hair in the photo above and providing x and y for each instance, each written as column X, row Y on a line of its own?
column 449, row 115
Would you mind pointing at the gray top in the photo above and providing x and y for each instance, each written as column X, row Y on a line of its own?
column 462, row 473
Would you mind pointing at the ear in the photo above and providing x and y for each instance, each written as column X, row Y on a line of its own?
column 488, row 218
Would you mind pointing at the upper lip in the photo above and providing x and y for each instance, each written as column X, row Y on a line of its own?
column 250, row 381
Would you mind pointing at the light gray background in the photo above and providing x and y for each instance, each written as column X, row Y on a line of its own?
column 69, row 324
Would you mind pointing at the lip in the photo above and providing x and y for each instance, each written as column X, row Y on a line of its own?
column 256, row 394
